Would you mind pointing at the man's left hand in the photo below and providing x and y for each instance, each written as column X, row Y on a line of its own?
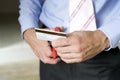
column 80, row 45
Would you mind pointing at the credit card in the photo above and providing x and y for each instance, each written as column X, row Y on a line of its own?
column 50, row 35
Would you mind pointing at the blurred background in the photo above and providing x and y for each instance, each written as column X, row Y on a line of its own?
column 17, row 61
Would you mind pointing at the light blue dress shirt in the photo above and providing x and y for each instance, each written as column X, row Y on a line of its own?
column 55, row 13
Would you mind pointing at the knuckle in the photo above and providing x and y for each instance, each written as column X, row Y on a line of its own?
column 45, row 60
column 77, row 49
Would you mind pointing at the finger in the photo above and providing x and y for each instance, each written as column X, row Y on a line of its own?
column 60, row 42
column 47, row 51
column 66, row 49
column 70, row 55
column 76, row 60
column 69, row 49
column 48, row 60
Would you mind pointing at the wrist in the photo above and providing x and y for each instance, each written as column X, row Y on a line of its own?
column 103, row 39
column 30, row 35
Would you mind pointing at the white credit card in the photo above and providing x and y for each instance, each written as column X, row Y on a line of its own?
column 49, row 35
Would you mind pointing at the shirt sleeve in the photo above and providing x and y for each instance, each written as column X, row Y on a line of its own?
column 112, row 30
column 29, row 14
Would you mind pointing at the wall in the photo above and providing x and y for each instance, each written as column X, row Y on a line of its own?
column 12, row 47
column 9, row 6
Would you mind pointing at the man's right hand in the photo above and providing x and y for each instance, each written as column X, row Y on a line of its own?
column 41, row 48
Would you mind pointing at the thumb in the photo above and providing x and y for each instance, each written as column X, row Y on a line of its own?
column 59, row 29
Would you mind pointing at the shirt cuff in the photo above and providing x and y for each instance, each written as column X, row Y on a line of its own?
column 112, row 32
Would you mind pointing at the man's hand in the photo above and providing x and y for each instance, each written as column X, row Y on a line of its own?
column 80, row 45
column 40, row 47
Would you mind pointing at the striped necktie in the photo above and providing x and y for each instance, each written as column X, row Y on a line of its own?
column 82, row 15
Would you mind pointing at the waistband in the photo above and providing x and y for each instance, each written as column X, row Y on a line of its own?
column 111, row 51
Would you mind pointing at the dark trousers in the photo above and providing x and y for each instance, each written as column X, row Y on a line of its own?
column 105, row 66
